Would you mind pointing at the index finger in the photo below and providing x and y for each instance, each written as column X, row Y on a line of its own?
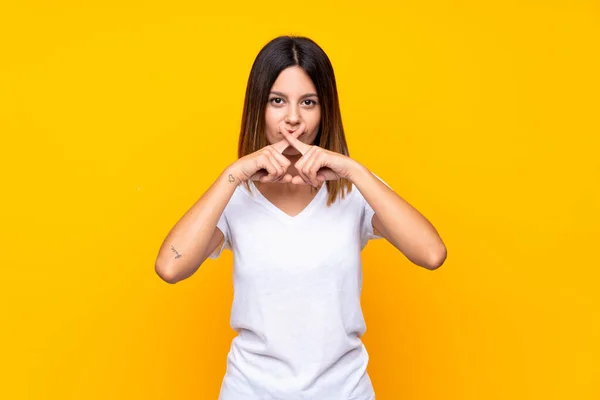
column 302, row 147
column 281, row 146
column 284, row 143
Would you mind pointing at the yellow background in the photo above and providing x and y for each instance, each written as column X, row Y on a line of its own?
column 116, row 116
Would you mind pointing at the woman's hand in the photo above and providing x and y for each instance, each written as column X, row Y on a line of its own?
column 268, row 164
column 317, row 164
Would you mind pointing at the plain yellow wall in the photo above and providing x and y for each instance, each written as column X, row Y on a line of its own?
column 116, row 116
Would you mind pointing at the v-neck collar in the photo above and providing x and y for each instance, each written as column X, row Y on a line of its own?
column 258, row 197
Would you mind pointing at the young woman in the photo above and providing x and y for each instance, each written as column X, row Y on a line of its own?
column 296, row 211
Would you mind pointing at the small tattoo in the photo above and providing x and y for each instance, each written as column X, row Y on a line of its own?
column 175, row 251
column 231, row 178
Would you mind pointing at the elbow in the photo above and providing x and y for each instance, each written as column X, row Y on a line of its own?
column 165, row 273
column 436, row 258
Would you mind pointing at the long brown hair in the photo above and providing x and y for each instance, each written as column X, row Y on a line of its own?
column 277, row 55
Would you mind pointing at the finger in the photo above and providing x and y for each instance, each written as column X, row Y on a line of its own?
column 265, row 163
column 303, row 148
column 278, row 168
column 300, row 164
column 281, row 159
column 312, row 165
column 299, row 131
column 287, row 178
column 280, row 146
column 280, row 171
column 327, row 174
column 297, row 180
column 258, row 175
column 284, row 143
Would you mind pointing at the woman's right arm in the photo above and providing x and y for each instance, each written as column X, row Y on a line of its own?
column 196, row 235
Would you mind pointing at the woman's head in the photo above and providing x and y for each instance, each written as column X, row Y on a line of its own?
column 293, row 101
column 291, row 83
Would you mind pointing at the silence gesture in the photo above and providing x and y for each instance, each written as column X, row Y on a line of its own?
column 267, row 164
column 317, row 164
column 270, row 165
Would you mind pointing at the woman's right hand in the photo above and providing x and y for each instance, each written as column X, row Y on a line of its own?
column 267, row 164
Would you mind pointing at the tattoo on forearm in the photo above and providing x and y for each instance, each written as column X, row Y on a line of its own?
column 175, row 251
column 231, row 178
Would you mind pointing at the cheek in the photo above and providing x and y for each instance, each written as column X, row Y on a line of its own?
column 314, row 123
column 270, row 113
column 271, row 123
column 315, row 120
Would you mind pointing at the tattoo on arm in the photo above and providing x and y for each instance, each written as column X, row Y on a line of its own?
column 231, row 178
column 175, row 251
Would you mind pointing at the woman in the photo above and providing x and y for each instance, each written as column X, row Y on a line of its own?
column 296, row 211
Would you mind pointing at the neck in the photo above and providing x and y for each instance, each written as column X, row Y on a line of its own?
column 293, row 159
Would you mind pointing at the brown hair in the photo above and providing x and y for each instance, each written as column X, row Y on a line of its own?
column 277, row 55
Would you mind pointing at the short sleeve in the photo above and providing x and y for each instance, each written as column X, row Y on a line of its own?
column 226, row 242
column 367, row 220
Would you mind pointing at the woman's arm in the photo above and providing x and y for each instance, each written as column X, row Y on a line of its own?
column 400, row 223
column 188, row 243
column 196, row 235
column 396, row 220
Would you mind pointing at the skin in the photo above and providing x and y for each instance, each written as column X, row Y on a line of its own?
column 294, row 119
column 293, row 107
column 294, row 163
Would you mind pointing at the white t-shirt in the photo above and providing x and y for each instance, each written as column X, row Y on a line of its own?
column 296, row 307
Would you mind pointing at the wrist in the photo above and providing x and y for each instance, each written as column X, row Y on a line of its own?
column 355, row 169
column 232, row 174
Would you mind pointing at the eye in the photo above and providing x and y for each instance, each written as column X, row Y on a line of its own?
column 276, row 100
column 310, row 102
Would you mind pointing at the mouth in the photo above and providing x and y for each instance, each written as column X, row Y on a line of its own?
column 291, row 131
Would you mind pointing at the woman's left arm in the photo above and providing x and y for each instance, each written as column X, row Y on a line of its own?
column 399, row 222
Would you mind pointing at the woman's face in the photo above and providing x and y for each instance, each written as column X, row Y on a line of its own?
column 292, row 101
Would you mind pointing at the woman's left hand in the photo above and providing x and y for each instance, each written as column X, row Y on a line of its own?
column 317, row 164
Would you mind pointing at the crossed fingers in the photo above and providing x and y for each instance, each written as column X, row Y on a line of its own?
column 275, row 163
column 287, row 142
column 313, row 166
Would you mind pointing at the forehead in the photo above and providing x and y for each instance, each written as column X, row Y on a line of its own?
column 294, row 80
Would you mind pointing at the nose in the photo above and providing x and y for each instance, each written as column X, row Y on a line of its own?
column 292, row 117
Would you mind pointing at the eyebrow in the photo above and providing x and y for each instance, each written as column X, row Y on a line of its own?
column 301, row 97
